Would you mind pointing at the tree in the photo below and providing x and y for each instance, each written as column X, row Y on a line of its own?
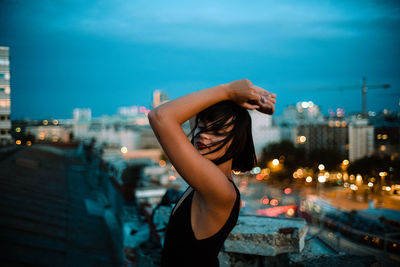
column 288, row 155
column 331, row 158
column 373, row 165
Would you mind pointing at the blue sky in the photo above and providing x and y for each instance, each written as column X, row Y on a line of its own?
column 105, row 54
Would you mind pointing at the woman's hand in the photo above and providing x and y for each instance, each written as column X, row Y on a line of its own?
column 250, row 96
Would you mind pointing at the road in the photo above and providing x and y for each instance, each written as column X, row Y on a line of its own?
column 253, row 192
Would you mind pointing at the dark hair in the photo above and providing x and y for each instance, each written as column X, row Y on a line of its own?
column 221, row 116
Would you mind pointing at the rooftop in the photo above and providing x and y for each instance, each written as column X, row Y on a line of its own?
column 44, row 220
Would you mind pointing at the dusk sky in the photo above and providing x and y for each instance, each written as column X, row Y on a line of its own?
column 104, row 54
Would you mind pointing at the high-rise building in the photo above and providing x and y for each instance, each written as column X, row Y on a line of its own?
column 159, row 97
column 303, row 113
column 361, row 139
column 386, row 133
column 82, row 114
column 330, row 134
column 5, row 99
column 264, row 132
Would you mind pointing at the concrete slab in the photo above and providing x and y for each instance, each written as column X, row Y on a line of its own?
column 266, row 236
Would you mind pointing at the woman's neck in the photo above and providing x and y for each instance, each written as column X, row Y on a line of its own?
column 226, row 168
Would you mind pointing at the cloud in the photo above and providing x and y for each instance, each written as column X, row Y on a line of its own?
column 263, row 25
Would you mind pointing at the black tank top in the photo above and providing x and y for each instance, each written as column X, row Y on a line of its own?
column 181, row 248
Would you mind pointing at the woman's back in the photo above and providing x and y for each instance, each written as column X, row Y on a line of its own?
column 182, row 248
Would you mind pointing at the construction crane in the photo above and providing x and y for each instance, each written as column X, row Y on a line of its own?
column 364, row 89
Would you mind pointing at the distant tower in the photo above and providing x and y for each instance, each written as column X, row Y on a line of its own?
column 159, row 97
column 361, row 139
column 5, row 100
column 82, row 114
column 263, row 131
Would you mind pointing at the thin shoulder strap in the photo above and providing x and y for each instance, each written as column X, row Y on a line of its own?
column 183, row 197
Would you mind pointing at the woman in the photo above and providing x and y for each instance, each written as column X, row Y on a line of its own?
column 222, row 142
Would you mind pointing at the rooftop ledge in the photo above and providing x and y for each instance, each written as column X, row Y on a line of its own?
column 266, row 236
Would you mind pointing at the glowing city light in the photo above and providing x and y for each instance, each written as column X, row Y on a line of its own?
column 55, row 122
column 287, row 191
column 345, row 162
column 275, row 162
column 28, row 143
column 370, row 184
column 265, row 200
column 388, row 188
column 309, row 179
column 290, row 212
column 321, row 167
column 353, row 187
column 124, row 150
column 18, row 142
column 259, row 177
column 256, row 170
column 322, row 179
column 45, row 122
column 18, row 129
column 265, row 171
column 301, row 139
column 236, row 172
column 274, row 202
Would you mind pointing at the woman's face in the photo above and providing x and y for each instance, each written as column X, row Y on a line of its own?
column 203, row 142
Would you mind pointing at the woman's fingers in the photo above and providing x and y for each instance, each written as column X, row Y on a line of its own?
column 263, row 92
column 250, row 106
column 267, row 105
column 251, row 96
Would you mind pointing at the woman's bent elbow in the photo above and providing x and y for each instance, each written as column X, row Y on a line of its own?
column 153, row 117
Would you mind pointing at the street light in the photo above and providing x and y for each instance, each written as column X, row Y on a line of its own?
column 321, row 167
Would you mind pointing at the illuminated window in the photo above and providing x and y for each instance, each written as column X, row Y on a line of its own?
column 4, row 103
column 4, row 61
column 5, row 76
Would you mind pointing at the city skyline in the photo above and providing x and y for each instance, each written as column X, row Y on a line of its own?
column 104, row 55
